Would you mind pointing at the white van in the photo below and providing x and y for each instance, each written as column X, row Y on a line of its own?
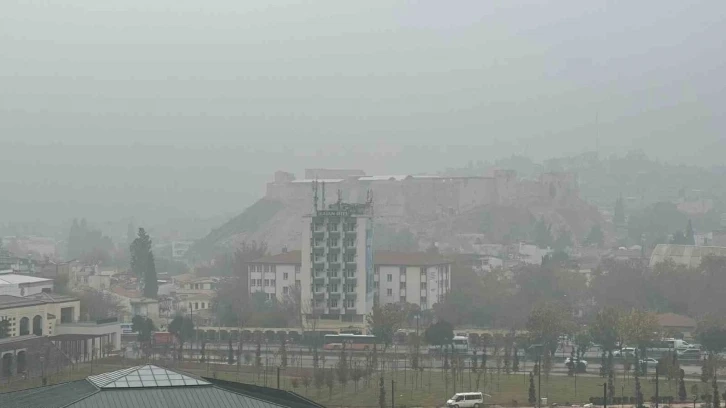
column 466, row 400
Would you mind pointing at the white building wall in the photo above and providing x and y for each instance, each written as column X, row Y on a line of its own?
column 361, row 304
column 281, row 283
column 436, row 279
column 306, row 281
column 25, row 289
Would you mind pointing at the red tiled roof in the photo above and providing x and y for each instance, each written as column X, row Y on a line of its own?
column 408, row 258
column 675, row 320
column 286, row 258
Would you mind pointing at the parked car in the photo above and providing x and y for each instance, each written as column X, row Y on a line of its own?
column 466, row 400
column 649, row 362
column 624, row 352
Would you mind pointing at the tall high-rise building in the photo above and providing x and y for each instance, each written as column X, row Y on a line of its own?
column 336, row 277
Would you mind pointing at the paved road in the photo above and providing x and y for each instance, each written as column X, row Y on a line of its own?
column 298, row 355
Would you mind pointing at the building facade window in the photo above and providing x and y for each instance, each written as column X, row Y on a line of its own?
column 423, row 285
column 349, row 303
column 389, row 292
column 285, row 290
column 285, row 276
column 389, row 278
column 297, row 268
column 402, row 285
column 267, row 282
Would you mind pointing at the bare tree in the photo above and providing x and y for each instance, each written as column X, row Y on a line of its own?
column 96, row 305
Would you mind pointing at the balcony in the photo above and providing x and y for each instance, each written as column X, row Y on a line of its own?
column 350, row 311
column 334, row 311
column 319, row 295
column 319, row 280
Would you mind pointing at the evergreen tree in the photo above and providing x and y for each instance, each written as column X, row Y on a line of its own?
column 230, row 353
column 283, row 353
column 637, row 363
column 595, row 236
column 532, row 399
column 716, row 400
column 342, row 369
column 638, row 393
column 705, row 370
column 507, row 357
column 484, row 359
column 258, row 352
column 611, row 386
column 381, row 393
column 515, row 362
column 619, row 213
column 142, row 264
column 690, row 235
column 682, row 386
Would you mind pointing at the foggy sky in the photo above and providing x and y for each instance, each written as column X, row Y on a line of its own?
column 188, row 106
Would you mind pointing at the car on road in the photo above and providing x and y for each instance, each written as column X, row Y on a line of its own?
column 649, row 362
column 568, row 360
column 466, row 400
column 624, row 352
column 689, row 354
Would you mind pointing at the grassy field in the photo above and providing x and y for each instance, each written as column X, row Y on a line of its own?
column 412, row 389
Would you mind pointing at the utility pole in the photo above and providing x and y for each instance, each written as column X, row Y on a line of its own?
column 605, row 395
column 278, row 377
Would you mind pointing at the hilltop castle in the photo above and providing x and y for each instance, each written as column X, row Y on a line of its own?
column 423, row 196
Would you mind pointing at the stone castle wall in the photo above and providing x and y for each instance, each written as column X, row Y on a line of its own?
column 428, row 197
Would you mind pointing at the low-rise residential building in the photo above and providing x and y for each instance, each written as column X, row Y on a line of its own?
column 275, row 275
column 23, row 285
column 133, row 303
column 419, row 278
column 416, row 277
column 190, row 284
